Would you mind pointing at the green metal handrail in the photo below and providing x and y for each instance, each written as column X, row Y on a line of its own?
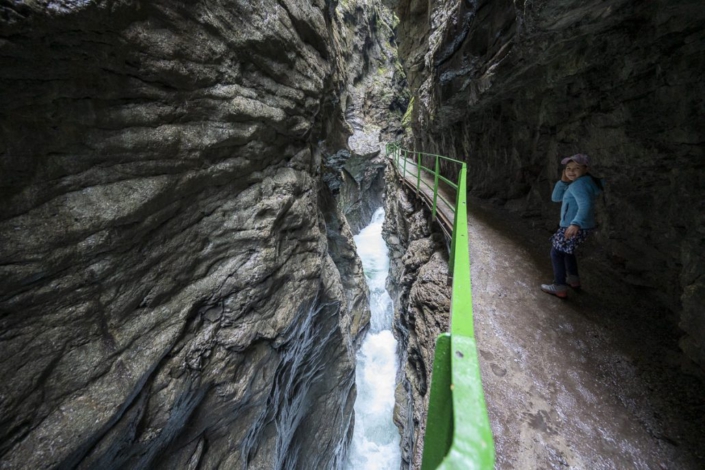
column 401, row 158
column 458, row 434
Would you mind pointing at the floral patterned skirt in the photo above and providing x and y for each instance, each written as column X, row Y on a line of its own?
column 568, row 246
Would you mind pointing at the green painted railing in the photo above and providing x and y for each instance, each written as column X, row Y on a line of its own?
column 458, row 434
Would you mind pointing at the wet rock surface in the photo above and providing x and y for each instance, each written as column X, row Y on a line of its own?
column 511, row 87
column 418, row 286
column 177, row 287
column 374, row 101
column 362, row 189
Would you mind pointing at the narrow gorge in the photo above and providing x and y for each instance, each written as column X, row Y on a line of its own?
column 178, row 280
column 182, row 185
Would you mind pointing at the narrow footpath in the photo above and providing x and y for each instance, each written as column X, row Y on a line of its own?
column 592, row 382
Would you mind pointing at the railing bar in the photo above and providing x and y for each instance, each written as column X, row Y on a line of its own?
column 428, row 185
column 445, row 223
column 440, row 196
column 405, row 159
column 418, row 174
column 442, row 157
column 448, row 205
column 435, row 189
column 432, row 172
column 450, row 183
column 405, row 172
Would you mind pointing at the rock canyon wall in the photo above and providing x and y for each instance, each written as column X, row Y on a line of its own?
column 418, row 284
column 178, row 287
column 513, row 86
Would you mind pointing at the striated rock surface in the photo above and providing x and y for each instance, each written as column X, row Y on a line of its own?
column 511, row 87
column 177, row 287
column 362, row 189
column 417, row 283
column 374, row 101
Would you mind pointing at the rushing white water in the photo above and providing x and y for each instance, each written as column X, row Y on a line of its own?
column 375, row 443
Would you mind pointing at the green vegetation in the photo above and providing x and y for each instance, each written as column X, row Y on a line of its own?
column 406, row 119
column 395, row 21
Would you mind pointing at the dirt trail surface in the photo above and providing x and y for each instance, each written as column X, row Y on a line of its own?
column 591, row 382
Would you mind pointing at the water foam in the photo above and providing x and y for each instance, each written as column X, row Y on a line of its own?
column 375, row 443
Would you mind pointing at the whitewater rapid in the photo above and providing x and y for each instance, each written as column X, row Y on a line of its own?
column 375, row 443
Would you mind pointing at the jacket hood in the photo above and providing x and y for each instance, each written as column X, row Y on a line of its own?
column 591, row 182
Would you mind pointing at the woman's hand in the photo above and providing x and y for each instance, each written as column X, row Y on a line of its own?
column 564, row 178
column 571, row 231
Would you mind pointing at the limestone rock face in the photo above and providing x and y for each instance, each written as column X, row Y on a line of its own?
column 176, row 288
column 361, row 192
column 417, row 283
column 511, row 87
column 374, row 100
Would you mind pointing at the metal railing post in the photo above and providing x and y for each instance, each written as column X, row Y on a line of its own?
column 405, row 159
column 418, row 173
column 461, row 178
column 435, row 189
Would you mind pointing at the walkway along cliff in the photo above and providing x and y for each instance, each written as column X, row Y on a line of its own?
column 180, row 184
column 510, row 87
column 579, row 383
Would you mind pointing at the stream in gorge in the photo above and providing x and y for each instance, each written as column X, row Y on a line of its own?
column 375, row 443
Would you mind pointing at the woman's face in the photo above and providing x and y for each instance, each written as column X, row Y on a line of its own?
column 574, row 170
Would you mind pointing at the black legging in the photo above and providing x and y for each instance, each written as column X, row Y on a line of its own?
column 563, row 263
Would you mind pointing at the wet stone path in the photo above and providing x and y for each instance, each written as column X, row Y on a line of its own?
column 589, row 383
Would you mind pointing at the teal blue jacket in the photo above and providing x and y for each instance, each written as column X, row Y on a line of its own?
column 578, row 202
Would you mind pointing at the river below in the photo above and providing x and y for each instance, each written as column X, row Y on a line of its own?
column 375, row 443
